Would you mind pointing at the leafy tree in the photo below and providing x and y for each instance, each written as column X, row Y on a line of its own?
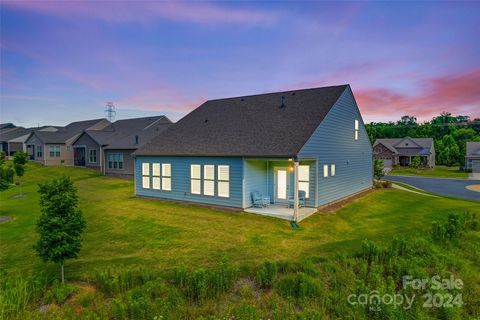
column 416, row 162
column 408, row 121
column 61, row 223
column 378, row 169
column 6, row 176
column 19, row 161
column 2, row 157
column 20, row 157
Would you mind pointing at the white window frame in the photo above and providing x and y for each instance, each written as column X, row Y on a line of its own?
column 356, row 130
column 325, row 170
column 196, row 180
column 55, row 150
column 207, row 182
column 112, row 160
column 222, row 181
column 156, row 183
column 304, row 184
column 90, row 155
column 166, row 176
column 145, row 175
column 39, row 152
column 333, row 170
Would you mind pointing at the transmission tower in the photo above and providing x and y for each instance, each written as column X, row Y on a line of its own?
column 110, row 111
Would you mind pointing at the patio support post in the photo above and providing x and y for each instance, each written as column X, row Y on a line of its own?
column 295, row 191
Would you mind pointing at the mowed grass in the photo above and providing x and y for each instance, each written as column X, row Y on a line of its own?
column 437, row 172
column 123, row 230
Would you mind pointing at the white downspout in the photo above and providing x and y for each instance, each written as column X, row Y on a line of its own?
column 295, row 191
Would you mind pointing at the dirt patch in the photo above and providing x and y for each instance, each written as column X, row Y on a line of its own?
column 5, row 219
column 339, row 204
column 473, row 187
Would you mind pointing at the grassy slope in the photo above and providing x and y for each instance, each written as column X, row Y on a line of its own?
column 438, row 172
column 124, row 230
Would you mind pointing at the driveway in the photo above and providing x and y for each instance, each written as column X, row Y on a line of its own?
column 448, row 187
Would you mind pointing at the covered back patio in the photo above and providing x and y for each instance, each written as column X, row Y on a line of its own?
column 281, row 188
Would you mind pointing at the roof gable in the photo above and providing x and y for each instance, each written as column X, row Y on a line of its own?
column 473, row 148
column 273, row 124
column 407, row 142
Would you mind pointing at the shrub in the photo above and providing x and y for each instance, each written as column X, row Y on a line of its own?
column 455, row 225
column 6, row 176
column 20, row 158
column 266, row 274
column 59, row 293
column 378, row 169
column 17, row 293
column 112, row 282
column 300, row 286
column 201, row 283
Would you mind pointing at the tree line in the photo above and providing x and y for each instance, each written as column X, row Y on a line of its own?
column 450, row 134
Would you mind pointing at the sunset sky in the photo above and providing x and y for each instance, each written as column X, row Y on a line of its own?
column 62, row 61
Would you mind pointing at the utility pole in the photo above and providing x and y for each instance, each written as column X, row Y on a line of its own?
column 110, row 111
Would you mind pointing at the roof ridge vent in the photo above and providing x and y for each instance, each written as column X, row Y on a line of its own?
column 283, row 103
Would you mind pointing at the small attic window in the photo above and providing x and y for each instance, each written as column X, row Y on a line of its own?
column 406, row 144
column 136, row 139
column 206, row 120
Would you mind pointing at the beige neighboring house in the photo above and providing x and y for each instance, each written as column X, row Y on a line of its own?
column 53, row 145
column 399, row 152
column 472, row 157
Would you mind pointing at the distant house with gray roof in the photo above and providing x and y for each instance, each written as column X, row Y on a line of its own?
column 110, row 150
column 52, row 145
column 472, row 157
column 400, row 151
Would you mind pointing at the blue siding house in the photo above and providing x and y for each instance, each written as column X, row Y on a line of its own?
column 297, row 150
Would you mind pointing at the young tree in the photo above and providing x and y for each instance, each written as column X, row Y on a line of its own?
column 6, row 176
column 19, row 161
column 61, row 223
column 378, row 169
column 20, row 157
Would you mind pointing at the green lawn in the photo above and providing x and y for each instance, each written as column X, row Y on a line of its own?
column 125, row 230
column 437, row 172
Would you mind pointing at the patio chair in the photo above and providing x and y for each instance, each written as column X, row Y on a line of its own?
column 302, row 195
column 259, row 200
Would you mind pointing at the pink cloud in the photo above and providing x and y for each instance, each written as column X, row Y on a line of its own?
column 457, row 94
column 146, row 11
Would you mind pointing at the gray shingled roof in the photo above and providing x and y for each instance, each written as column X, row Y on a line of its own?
column 473, row 148
column 121, row 134
column 12, row 133
column 422, row 142
column 254, row 125
column 68, row 132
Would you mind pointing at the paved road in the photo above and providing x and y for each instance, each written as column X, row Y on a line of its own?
column 449, row 187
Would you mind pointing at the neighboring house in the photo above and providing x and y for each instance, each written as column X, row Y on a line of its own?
column 472, row 157
column 11, row 139
column 399, row 152
column 52, row 145
column 312, row 140
column 110, row 150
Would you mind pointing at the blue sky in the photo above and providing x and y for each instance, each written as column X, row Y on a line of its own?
column 62, row 61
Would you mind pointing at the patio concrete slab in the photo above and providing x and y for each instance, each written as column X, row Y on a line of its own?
column 282, row 212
